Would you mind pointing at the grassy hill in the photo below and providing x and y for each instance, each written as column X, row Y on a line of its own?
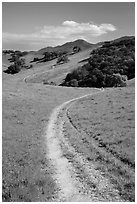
column 68, row 47
column 48, row 53
column 48, row 73
column 109, row 64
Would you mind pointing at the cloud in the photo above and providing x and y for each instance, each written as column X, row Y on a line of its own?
column 69, row 30
column 70, row 23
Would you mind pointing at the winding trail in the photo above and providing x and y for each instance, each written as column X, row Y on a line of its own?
column 76, row 180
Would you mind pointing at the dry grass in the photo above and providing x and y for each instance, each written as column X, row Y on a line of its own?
column 108, row 119
column 5, row 61
column 27, row 175
column 58, row 73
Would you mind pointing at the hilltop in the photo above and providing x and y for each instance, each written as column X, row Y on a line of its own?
column 68, row 47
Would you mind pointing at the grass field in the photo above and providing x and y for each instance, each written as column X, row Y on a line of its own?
column 108, row 119
column 27, row 175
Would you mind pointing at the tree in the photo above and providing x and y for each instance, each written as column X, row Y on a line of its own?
column 16, row 67
column 114, row 80
column 62, row 59
column 35, row 59
column 12, row 69
column 76, row 49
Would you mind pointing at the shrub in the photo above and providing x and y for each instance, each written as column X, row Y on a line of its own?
column 62, row 59
column 76, row 49
column 35, row 59
column 73, row 83
column 114, row 80
column 12, row 69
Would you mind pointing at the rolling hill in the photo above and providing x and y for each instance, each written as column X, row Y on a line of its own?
column 109, row 56
column 68, row 47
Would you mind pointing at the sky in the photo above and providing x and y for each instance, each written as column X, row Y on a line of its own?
column 34, row 25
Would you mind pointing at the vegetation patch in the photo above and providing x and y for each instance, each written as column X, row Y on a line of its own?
column 109, row 66
column 18, row 63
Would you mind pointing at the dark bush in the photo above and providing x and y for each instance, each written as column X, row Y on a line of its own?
column 35, row 59
column 73, row 83
column 16, row 67
column 76, row 49
column 62, row 59
column 12, row 69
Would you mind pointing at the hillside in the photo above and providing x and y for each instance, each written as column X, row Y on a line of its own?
column 109, row 65
column 31, row 58
column 47, row 71
column 68, row 47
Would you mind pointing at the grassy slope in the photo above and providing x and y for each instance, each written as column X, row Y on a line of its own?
column 26, row 109
column 29, row 57
column 109, row 122
column 59, row 72
column 68, row 47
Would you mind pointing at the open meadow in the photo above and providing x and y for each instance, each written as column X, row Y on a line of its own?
column 27, row 174
column 106, row 123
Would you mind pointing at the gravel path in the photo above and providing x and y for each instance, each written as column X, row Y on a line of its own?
column 76, row 179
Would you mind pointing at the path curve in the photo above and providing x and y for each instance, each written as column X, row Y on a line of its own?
column 70, row 188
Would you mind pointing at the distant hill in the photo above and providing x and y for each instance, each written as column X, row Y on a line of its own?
column 124, row 38
column 68, row 47
column 110, row 58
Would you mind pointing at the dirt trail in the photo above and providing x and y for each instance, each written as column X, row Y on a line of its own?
column 76, row 180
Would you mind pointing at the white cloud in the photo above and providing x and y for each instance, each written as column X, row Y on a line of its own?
column 68, row 31
column 108, row 27
column 70, row 23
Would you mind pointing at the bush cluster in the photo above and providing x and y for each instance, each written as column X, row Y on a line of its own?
column 48, row 56
column 61, row 56
column 16, row 66
column 18, row 63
